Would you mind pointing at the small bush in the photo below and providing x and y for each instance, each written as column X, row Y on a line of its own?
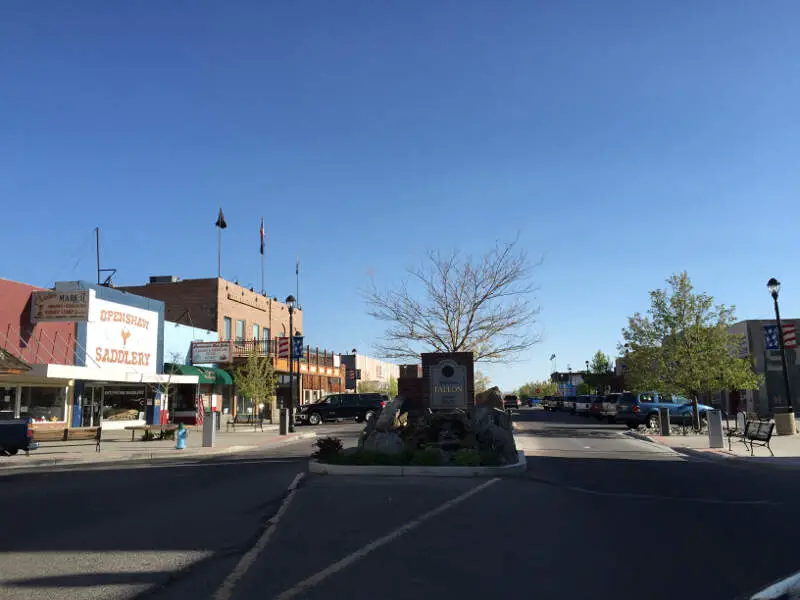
column 427, row 457
column 328, row 447
column 490, row 459
column 467, row 458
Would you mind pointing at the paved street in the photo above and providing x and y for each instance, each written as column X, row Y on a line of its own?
column 597, row 515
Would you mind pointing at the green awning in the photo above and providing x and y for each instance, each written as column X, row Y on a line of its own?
column 205, row 375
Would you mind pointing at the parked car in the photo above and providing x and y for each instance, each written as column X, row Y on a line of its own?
column 510, row 401
column 340, row 407
column 596, row 408
column 610, row 407
column 531, row 402
column 582, row 404
column 568, row 404
column 642, row 409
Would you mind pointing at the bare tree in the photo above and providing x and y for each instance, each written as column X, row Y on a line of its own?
column 456, row 304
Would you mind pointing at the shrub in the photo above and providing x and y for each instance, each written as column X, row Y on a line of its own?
column 427, row 457
column 490, row 459
column 467, row 458
column 327, row 448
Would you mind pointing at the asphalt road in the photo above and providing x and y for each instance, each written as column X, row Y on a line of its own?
column 597, row 515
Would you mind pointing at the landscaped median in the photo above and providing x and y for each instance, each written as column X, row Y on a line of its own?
column 356, row 466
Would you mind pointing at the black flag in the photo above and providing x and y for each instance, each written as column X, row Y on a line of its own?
column 221, row 220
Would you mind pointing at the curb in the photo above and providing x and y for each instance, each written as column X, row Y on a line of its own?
column 709, row 455
column 140, row 458
column 314, row 466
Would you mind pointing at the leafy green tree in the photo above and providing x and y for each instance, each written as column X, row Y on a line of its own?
column 537, row 389
column 482, row 382
column 391, row 387
column 600, row 364
column 255, row 380
column 583, row 389
column 682, row 344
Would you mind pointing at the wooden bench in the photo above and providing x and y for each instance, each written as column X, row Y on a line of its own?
column 69, row 434
column 245, row 420
column 755, row 433
column 160, row 428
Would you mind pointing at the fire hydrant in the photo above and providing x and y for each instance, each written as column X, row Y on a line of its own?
column 180, row 437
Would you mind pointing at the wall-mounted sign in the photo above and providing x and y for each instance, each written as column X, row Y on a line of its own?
column 448, row 385
column 118, row 335
column 49, row 306
column 210, row 352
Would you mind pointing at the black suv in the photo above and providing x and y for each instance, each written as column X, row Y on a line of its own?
column 338, row 407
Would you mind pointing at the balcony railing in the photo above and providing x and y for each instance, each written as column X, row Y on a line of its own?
column 311, row 356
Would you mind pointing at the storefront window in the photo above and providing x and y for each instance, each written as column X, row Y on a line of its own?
column 8, row 399
column 227, row 325
column 122, row 403
column 43, row 404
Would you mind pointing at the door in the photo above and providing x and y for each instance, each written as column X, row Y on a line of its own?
column 350, row 408
column 332, row 407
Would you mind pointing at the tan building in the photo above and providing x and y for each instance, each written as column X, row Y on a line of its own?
column 249, row 321
column 235, row 312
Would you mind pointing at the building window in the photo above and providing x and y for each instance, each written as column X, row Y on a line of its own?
column 227, row 328
column 43, row 404
column 378, row 371
column 265, row 333
column 256, row 329
column 122, row 403
column 239, row 330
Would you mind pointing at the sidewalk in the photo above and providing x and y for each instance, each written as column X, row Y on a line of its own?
column 116, row 446
column 785, row 447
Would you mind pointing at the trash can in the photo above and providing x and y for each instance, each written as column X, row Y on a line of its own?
column 715, row 438
column 785, row 423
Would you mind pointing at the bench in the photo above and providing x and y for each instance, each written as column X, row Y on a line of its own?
column 69, row 434
column 160, row 428
column 755, row 432
column 245, row 420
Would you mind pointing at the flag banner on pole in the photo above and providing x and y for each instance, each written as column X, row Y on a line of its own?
column 552, row 356
column 221, row 220
column 771, row 337
column 261, row 231
column 297, row 267
column 789, row 336
column 297, row 346
column 283, row 347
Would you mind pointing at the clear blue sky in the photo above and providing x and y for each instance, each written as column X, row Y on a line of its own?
column 623, row 141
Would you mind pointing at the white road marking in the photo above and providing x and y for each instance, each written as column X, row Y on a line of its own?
column 226, row 589
column 636, row 496
column 304, row 585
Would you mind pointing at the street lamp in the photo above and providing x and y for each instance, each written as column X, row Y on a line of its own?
column 290, row 303
column 355, row 372
column 774, row 286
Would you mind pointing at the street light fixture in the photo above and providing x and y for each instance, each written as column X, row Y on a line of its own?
column 774, row 287
column 290, row 304
column 355, row 379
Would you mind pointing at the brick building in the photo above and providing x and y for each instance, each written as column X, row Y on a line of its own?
column 235, row 312
column 247, row 320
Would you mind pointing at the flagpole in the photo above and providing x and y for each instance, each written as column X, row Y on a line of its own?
column 297, row 275
column 219, row 252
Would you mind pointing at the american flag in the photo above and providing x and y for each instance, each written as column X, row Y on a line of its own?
column 771, row 336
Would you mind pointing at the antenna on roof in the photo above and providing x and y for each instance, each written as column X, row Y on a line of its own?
column 111, row 272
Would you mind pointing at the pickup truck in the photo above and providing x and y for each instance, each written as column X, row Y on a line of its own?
column 16, row 435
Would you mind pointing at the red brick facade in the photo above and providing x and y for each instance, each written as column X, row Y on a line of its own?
column 40, row 343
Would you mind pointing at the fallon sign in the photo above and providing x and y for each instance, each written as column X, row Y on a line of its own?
column 448, row 381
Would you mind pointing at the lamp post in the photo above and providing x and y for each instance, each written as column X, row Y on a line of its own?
column 774, row 286
column 290, row 303
column 355, row 371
